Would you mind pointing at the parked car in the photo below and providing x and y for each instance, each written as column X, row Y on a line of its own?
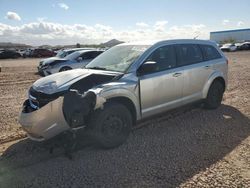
column 60, row 54
column 74, row 60
column 243, row 46
column 64, row 53
column 27, row 53
column 228, row 48
column 40, row 52
column 127, row 83
column 21, row 52
column 5, row 54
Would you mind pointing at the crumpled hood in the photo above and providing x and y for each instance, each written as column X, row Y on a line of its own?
column 64, row 80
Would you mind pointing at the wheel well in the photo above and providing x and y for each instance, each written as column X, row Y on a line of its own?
column 128, row 103
column 221, row 80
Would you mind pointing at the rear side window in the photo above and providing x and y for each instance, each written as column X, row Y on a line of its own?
column 209, row 52
column 188, row 54
column 91, row 55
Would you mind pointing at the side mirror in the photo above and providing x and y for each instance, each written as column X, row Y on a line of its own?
column 79, row 59
column 147, row 67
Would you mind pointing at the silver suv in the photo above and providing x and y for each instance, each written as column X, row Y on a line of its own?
column 128, row 82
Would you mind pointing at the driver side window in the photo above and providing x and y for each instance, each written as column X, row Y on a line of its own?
column 164, row 57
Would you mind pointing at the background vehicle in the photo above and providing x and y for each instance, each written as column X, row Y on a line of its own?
column 119, row 87
column 5, row 54
column 243, row 46
column 228, row 48
column 60, row 54
column 65, row 52
column 40, row 52
column 77, row 59
column 27, row 53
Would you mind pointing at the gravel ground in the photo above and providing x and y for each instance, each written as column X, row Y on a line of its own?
column 16, row 76
column 189, row 147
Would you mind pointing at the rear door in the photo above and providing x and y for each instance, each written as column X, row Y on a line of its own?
column 196, row 70
column 161, row 89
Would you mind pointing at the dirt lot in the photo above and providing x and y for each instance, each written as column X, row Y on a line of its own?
column 189, row 147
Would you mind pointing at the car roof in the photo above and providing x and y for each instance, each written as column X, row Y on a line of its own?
column 83, row 51
column 172, row 41
column 77, row 49
column 95, row 50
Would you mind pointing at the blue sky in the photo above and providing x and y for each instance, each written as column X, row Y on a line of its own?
column 123, row 19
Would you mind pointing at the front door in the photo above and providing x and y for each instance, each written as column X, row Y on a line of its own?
column 161, row 89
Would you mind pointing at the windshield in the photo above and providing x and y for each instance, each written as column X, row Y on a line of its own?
column 61, row 54
column 73, row 55
column 118, row 58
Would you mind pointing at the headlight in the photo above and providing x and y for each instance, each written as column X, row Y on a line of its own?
column 48, row 88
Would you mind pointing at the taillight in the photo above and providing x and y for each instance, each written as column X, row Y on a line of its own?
column 227, row 61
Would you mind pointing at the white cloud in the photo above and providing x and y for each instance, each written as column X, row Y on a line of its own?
column 189, row 31
column 240, row 23
column 225, row 22
column 44, row 32
column 63, row 6
column 160, row 25
column 41, row 19
column 13, row 16
column 142, row 24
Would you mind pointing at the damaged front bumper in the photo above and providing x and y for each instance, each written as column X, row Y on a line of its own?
column 44, row 123
column 43, row 70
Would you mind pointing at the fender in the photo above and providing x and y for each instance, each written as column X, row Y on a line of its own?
column 210, row 80
column 117, row 90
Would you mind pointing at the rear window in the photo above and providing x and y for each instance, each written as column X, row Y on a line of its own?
column 188, row 54
column 209, row 52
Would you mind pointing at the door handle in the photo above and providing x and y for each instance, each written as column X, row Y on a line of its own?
column 177, row 74
column 207, row 67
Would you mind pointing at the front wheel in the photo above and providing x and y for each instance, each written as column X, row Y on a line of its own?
column 214, row 96
column 111, row 126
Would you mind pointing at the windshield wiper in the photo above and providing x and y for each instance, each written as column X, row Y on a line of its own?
column 97, row 68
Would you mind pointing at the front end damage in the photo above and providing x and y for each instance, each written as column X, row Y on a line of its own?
column 44, row 123
column 46, row 116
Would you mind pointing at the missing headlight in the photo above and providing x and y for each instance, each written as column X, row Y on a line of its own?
column 77, row 106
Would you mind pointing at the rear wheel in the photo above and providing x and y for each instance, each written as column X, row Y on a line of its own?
column 111, row 126
column 214, row 96
column 64, row 69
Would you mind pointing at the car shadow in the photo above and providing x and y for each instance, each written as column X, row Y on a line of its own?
column 164, row 153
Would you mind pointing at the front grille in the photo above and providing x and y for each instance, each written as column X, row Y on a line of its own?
column 38, row 100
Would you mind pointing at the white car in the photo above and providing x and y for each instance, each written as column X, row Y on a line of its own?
column 74, row 60
column 229, row 47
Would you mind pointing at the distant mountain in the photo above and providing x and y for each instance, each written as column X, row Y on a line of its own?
column 8, row 45
column 111, row 43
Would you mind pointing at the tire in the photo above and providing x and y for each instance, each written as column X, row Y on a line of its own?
column 111, row 126
column 214, row 96
column 65, row 69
